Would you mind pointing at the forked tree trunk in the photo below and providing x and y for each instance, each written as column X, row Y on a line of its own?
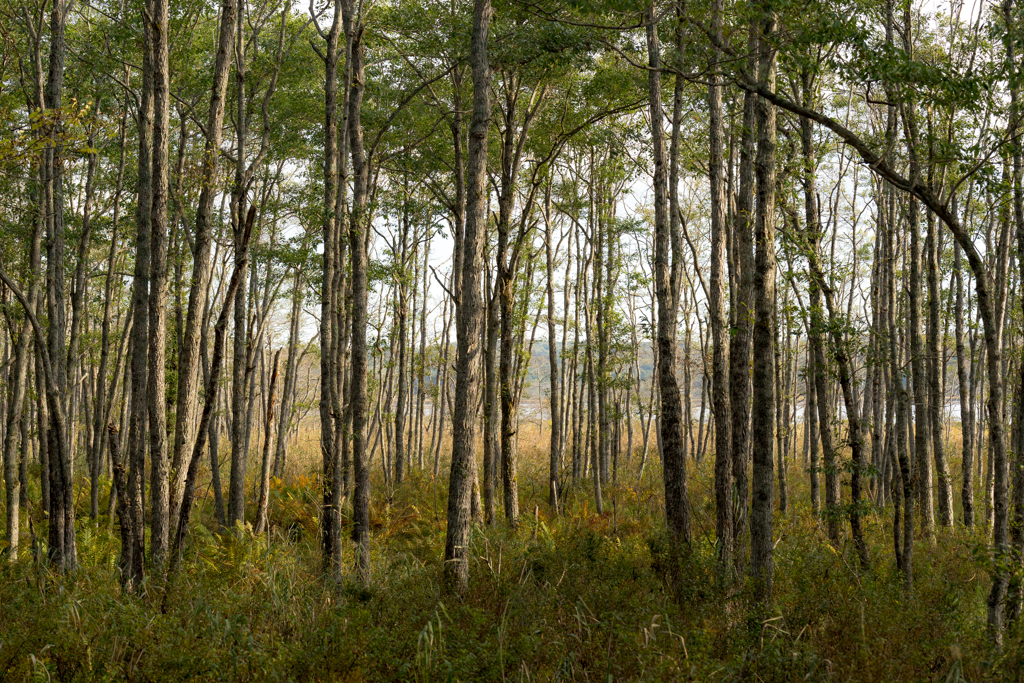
column 190, row 361
column 210, row 401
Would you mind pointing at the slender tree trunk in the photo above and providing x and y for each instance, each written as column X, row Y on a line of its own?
column 782, row 354
column 261, row 508
column 359, row 231
column 421, row 361
column 402, row 316
column 593, row 440
column 63, row 551
column 189, row 360
column 966, row 411
column 463, row 467
column 80, row 285
column 1011, row 42
column 740, row 349
column 719, row 320
column 922, row 424
column 241, row 340
column 600, row 427
column 555, row 453
column 492, row 448
column 157, row 384
column 667, row 277
column 811, row 427
column 101, row 418
column 14, row 480
column 847, row 381
column 123, row 506
column 330, row 541
column 934, row 336
column 210, row 401
column 763, row 394
column 290, row 373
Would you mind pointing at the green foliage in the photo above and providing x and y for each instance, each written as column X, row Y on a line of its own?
column 572, row 597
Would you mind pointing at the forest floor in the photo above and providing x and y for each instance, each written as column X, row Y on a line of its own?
column 575, row 597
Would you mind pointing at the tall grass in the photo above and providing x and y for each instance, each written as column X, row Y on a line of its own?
column 573, row 597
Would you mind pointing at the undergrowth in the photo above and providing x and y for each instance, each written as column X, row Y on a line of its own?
column 572, row 597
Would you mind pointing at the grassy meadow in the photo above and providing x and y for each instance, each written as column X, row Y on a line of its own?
column 569, row 597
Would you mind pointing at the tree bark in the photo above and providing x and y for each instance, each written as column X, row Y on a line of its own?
column 210, row 401
column 555, row 448
column 463, row 467
column 667, row 277
column 241, row 340
column 136, row 447
column 743, row 315
column 966, row 411
column 934, row 336
column 719, row 319
column 189, row 361
column 358, row 233
column 63, row 551
column 157, row 385
column 14, row 480
column 763, row 394
column 261, row 507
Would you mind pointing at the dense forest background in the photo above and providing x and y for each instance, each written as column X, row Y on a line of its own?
column 511, row 339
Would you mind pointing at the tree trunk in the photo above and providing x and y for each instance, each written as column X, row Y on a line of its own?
column 261, row 508
column 210, row 401
column 763, row 394
column 157, row 385
column 290, row 372
column 811, row 427
column 136, row 452
column 330, row 541
column 555, row 452
column 740, row 349
column 240, row 371
column 189, row 360
column 667, row 277
column 101, row 416
column 934, row 337
column 1017, row 532
column 492, row 448
column 463, row 467
column 359, row 231
column 966, row 411
column 401, row 322
column 14, row 479
column 123, row 506
column 719, row 320
column 62, row 550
